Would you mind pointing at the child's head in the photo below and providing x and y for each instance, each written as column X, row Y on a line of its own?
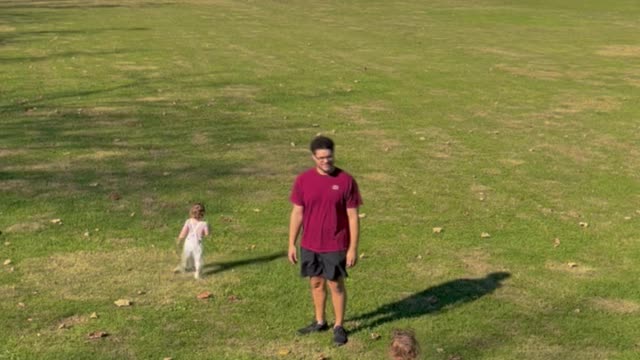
column 403, row 345
column 197, row 211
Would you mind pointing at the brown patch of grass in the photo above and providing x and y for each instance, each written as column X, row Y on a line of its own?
column 6, row 28
column 500, row 52
column 476, row 263
column 199, row 139
column 27, row 227
column 153, row 99
column 11, row 152
column 100, row 155
column 530, row 72
column 616, row 306
column 135, row 67
column 109, row 276
column 536, row 348
column 579, row 270
column 357, row 113
column 512, row 162
column 620, row 51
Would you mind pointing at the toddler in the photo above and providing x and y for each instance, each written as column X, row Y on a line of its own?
column 404, row 345
column 194, row 229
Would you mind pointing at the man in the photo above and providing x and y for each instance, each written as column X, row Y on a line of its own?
column 325, row 205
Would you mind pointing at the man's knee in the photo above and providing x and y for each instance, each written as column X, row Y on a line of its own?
column 337, row 287
column 317, row 283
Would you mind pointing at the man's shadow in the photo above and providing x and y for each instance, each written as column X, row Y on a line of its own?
column 431, row 300
column 220, row 266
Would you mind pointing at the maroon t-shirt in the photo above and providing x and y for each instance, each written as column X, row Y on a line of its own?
column 325, row 198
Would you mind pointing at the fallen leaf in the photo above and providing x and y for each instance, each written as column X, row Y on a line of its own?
column 141, row 292
column 122, row 302
column 232, row 298
column 315, row 125
column 583, row 224
column 437, row 230
column 572, row 265
column 284, row 352
column 93, row 315
column 166, row 173
column 422, row 138
column 322, row 357
column 362, row 215
column 577, row 311
column 419, row 257
column 205, row 295
column 56, row 221
column 362, row 256
column 293, row 144
column 7, row 262
column 485, row 235
column 62, row 326
column 94, row 184
column 114, row 196
column 256, row 210
column 167, row 358
column 97, row 335
column 440, row 350
column 7, row 243
column 627, row 217
column 374, row 336
column 21, row 304
column 132, row 214
column 252, row 247
column 454, row 357
column 86, row 234
column 556, row 242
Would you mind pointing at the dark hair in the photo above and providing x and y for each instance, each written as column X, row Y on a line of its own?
column 321, row 142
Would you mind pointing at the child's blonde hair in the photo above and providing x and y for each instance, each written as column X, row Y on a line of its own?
column 197, row 211
column 403, row 345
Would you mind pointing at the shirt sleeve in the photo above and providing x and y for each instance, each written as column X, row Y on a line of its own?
column 354, row 199
column 297, row 197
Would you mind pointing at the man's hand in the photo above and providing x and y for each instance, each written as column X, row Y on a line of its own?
column 293, row 257
column 352, row 258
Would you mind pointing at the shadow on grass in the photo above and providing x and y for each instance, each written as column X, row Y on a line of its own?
column 431, row 300
column 218, row 267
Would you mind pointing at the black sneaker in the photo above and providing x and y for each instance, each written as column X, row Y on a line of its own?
column 339, row 335
column 313, row 327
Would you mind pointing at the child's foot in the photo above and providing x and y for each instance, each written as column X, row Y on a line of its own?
column 197, row 274
column 178, row 270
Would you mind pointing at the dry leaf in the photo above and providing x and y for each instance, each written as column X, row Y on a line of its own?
column 556, row 242
column 577, row 311
column 422, row 138
column 419, row 257
column 293, row 144
column 374, row 336
column 315, row 125
column 62, row 326
column 485, row 235
column 362, row 215
column 205, row 295
column 7, row 243
column 97, row 335
column 7, row 262
column 93, row 315
column 56, row 221
column 167, row 358
column 454, row 357
column 114, row 196
column 256, row 210
column 627, row 217
column 122, row 302
column 440, row 350
column 232, row 298
column 141, row 292
column 86, row 234
column 252, row 247
column 572, row 265
column 94, row 184
column 132, row 214
column 362, row 256
column 284, row 352
column 166, row 173
column 583, row 224
column 437, row 230
column 21, row 304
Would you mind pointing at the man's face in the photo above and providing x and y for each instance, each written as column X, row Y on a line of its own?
column 324, row 160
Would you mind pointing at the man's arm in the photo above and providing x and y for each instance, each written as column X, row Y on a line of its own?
column 354, row 232
column 295, row 223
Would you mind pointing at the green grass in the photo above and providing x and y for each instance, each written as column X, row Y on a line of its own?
column 519, row 119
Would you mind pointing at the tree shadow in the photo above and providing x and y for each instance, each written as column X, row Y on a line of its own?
column 220, row 266
column 431, row 300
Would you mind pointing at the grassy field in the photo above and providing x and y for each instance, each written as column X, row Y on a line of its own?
column 519, row 119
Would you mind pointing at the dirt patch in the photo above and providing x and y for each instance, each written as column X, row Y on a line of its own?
column 100, row 155
column 6, row 28
column 620, row 51
column 512, row 162
column 476, row 264
column 598, row 104
column 199, row 139
column 107, row 276
column 11, row 152
column 616, row 306
column 135, row 67
column 153, row 99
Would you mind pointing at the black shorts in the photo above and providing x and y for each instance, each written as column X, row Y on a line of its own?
column 329, row 265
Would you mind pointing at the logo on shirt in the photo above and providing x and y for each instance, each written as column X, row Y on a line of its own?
column 335, row 187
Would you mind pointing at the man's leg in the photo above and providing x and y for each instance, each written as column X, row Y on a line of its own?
column 339, row 299
column 319, row 295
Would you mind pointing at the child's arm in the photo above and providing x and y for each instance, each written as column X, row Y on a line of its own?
column 206, row 229
column 183, row 233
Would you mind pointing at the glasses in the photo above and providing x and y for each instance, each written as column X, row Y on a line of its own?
column 324, row 158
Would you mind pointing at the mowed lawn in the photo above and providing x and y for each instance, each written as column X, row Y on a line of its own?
column 518, row 120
